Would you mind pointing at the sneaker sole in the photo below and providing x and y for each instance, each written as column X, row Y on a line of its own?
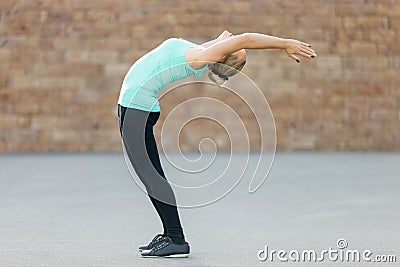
column 177, row 256
column 169, row 256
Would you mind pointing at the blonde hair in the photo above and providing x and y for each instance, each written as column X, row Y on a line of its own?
column 222, row 70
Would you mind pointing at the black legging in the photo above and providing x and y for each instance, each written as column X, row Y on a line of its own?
column 136, row 127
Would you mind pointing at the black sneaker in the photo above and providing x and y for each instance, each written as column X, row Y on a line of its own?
column 167, row 248
column 158, row 238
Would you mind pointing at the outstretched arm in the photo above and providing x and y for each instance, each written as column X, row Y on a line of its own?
column 290, row 46
column 218, row 50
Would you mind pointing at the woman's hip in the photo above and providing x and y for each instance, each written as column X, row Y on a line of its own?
column 136, row 117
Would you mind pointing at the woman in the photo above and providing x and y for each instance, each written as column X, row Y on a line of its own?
column 138, row 111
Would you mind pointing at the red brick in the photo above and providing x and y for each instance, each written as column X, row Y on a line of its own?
column 355, row 115
column 383, row 36
column 355, row 9
column 384, row 102
column 332, row 115
column 368, row 88
column 363, row 48
column 284, row 114
column 5, row 54
column 300, row 141
column 365, row 22
column 8, row 122
column 116, row 70
column 77, row 56
column 52, row 30
column 394, row 23
column 104, row 57
column 358, row 102
column 67, row 69
column 19, row 29
column 382, row 115
column 98, row 4
column 26, row 108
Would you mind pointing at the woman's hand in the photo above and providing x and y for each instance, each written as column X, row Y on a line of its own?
column 295, row 48
column 224, row 35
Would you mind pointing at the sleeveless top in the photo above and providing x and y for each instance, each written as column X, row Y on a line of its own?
column 152, row 72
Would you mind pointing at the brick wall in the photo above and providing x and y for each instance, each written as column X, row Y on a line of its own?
column 62, row 63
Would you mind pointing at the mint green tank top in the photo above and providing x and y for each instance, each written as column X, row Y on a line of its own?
column 152, row 72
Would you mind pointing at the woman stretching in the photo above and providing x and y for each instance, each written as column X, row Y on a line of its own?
column 139, row 110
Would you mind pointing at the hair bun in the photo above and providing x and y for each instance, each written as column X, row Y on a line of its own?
column 216, row 78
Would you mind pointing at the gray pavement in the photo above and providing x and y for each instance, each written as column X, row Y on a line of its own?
column 85, row 210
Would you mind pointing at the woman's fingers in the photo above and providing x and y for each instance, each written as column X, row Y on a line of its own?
column 311, row 53
column 301, row 53
column 294, row 57
column 308, row 49
column 307, row 46
column 298, row 48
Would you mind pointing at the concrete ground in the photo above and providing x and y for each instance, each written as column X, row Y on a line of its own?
column 85, row 210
